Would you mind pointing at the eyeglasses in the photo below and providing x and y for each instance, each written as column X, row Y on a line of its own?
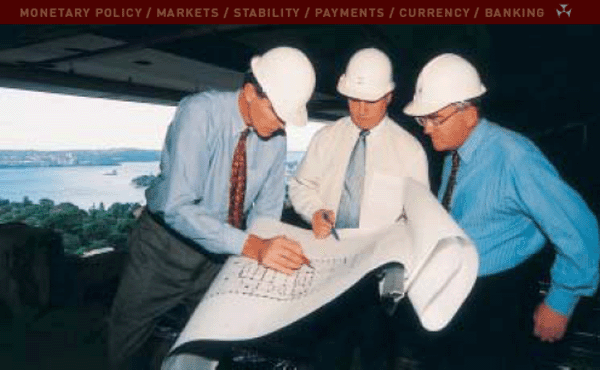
column 436, row 120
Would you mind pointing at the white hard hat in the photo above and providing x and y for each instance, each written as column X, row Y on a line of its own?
column 288, row 78
column 368, row 76
column 446, row 79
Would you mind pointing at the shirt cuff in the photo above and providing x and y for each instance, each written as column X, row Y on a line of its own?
column 311, row 213
column 235, row 239
column 561, row 301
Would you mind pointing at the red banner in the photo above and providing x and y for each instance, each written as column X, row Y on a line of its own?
column 299, row 12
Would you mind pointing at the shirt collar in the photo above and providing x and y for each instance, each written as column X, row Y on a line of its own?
column 474, row 140
column 380, row 126
column 373, row 131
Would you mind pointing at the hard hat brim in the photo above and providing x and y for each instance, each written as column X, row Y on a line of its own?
column 292, row 113
column 417, row 109
column 345, row 88
column 299, row 117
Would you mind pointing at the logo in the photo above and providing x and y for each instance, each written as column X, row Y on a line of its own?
column 560, row 12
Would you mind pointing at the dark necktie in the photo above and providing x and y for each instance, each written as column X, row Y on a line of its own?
column 237, row 188
column 349, row 210
column 451, row 181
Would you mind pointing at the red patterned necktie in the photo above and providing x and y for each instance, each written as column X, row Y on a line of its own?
column 237, row 188
column 451, row 181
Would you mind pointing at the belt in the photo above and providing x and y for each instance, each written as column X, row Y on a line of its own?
column 156, row 218
column 159, row 220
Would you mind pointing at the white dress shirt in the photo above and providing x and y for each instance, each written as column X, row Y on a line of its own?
column 392, row 154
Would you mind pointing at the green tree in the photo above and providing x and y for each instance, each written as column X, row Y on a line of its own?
column 46, row 203
column 66, row 216
column 81, row 231
column 71, row 243
column 27, row 201
column 96, row 229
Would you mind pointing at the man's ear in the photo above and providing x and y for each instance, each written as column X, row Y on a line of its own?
column 388, row 98
column 249, row 92
column 472, row 116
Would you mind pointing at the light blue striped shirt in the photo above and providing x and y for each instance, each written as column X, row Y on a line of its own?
column 510, row 200
column 192, row 190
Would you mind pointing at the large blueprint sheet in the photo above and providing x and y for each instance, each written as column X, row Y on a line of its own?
column 249, row 301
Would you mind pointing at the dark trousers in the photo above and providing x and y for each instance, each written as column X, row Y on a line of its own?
column 323, row 340
column 492, row 329
column 162, row 271
column 356, row 321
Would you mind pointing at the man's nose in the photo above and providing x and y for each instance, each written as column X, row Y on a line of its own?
column 280, row 125
column 362, row 108
column 427, row 128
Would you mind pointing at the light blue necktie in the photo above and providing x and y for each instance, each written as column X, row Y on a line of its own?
column 348, row 214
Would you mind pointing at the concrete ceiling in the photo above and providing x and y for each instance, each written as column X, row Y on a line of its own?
column 540, row 77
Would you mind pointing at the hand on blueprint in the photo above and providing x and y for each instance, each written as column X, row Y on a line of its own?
column 440, row 261
column 278, row 253
column 323, row 221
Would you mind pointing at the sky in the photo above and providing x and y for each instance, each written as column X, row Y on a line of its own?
column 32, row 120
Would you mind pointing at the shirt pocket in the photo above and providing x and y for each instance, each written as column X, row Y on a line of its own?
column 383, row 200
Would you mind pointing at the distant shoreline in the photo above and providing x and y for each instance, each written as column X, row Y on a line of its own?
column 15, row 159
column 3, row 166
column 74, row 158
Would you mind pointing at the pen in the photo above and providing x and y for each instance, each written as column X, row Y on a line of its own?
column 333, row 230
column 307, row 262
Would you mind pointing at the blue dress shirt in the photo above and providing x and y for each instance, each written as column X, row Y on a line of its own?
column 192, row 190
column 510, row 200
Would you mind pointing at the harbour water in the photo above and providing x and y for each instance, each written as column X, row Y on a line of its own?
column 87, row 186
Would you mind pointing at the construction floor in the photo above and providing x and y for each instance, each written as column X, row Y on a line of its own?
column 73, row 335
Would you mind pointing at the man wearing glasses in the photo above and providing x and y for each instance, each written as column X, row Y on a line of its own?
column 511, row 201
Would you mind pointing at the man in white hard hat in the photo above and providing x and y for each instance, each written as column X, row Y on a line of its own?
column 222, row 166
column 511, row 201
column 331, row 190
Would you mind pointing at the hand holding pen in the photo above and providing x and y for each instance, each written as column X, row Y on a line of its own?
column 333, row 230
column 323, row 224
column 304, row 260
column 278, row 253
column 307, row 262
